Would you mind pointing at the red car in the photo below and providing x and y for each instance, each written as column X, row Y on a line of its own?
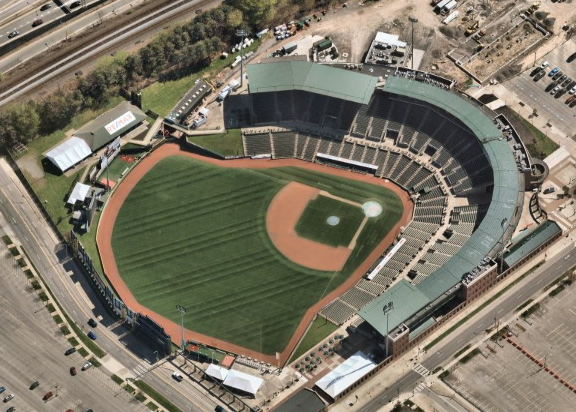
column 37, row 22
column 48, row 395
column 73, row 371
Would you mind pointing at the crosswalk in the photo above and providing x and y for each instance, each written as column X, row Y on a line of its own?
column 421, row 370
column 420, row 387
column 141, row 368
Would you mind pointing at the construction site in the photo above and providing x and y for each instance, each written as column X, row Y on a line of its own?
column 491, row 44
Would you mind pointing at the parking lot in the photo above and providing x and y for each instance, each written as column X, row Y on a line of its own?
column 502, row 378
column 533, row 94
column 32, row 349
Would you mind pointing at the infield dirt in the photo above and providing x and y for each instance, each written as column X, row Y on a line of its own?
column 104, row 239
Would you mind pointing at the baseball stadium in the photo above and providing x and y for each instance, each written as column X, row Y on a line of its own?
column 354, row 193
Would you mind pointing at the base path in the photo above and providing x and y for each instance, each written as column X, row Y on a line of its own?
column 281, row 218
column 121, row 192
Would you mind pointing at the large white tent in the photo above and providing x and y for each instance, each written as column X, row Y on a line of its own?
column 346, row 374
column 242, row 381
column 217, row 372
column 69, row 153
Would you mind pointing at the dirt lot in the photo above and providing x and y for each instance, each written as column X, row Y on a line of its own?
column 503, row 378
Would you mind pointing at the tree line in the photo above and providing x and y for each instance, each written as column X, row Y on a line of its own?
column 173, row 54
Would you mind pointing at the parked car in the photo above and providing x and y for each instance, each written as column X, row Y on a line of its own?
column 560, row 93
column 13, row 34
column 8, row 398
column 74, row 4
column 2, row 389
column 11, row 409
column 563, row 77
column 47, row 395
column 86, row 366
column 45, row 7
column 549, row 190
column 554, row 71
column 544, row 64
column 92, row 335
column 73, row 371
column 177, row 376
column 34, row 385
column 536, row 71
column 70, row 351
column 218, row 408
column 572, row 104
column 557, row 75
column 37, row 22
column 92, row 323
column 550, row 86
column 567, row 82
column 539, row 75
column 571, row 58
column 570, row 99
column 555, row 89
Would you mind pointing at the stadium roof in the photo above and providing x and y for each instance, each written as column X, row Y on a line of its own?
column 110, row 125
column 276, row 76
column 492, row 228
column 530, row 240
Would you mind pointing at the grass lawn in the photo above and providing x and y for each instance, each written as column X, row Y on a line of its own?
column 319, row 329
column 228, row 144
column 195, row 233
column 161, row 97
column 53, row 188
column 314, row 222
column 537, row 143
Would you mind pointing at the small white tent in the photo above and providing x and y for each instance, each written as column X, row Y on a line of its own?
column 243, row 381
column 217, row 372
column 69, row 153
column 79, row 193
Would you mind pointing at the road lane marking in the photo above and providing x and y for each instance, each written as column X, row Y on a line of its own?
column 559, row 326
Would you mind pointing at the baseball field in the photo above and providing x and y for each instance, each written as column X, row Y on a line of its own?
column 194, row 234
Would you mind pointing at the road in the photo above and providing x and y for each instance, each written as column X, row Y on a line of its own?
column 73, row 60
column 32, row 349
column 554, row 110
column 80, row 301
column 502, row 307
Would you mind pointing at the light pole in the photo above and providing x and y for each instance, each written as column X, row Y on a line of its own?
column 242, row 33
column 387, row 309
column 182, row 311
column 412, row 20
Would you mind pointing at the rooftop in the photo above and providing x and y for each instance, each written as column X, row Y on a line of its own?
column 525, row 243
column 275, row 76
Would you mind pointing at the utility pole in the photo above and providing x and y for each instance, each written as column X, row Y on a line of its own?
column 182, row 311
column 412, row 20
column 387, row 309
column 242, row 33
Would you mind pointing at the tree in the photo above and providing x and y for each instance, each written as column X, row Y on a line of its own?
column 256, row 12
column 234, row 19
column 19, row 122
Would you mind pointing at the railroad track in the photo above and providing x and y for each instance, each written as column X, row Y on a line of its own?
column 155, row 19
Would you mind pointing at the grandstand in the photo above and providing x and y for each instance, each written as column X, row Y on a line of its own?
column 446, row 150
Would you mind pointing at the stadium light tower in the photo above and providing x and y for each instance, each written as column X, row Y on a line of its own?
column 387, row 309
column 182, row 311
column 242, row 33
column 412, row 20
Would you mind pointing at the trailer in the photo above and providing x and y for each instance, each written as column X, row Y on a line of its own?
column 451, row 17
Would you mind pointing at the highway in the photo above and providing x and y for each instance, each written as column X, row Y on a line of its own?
column 78, row 298
column 89, row 52
column 501, row 308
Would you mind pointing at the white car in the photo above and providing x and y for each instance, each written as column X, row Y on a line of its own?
column 572, row 90
column 177, row 376
column 554, row 90
column 545, row 64
column 86, row 366
column 7, row 398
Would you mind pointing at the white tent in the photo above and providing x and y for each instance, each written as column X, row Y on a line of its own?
column 346, row 374
column 69, row 153
column 217, row 372
column 243, row 381
column 78, row 193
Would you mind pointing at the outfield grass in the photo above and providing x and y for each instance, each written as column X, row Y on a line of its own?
column 195, row 234
column 319, row 329
column 313, row 223
column 228, row 144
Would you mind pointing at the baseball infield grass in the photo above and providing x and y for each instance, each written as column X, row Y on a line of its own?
column 314, row 224
column 194, row 234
